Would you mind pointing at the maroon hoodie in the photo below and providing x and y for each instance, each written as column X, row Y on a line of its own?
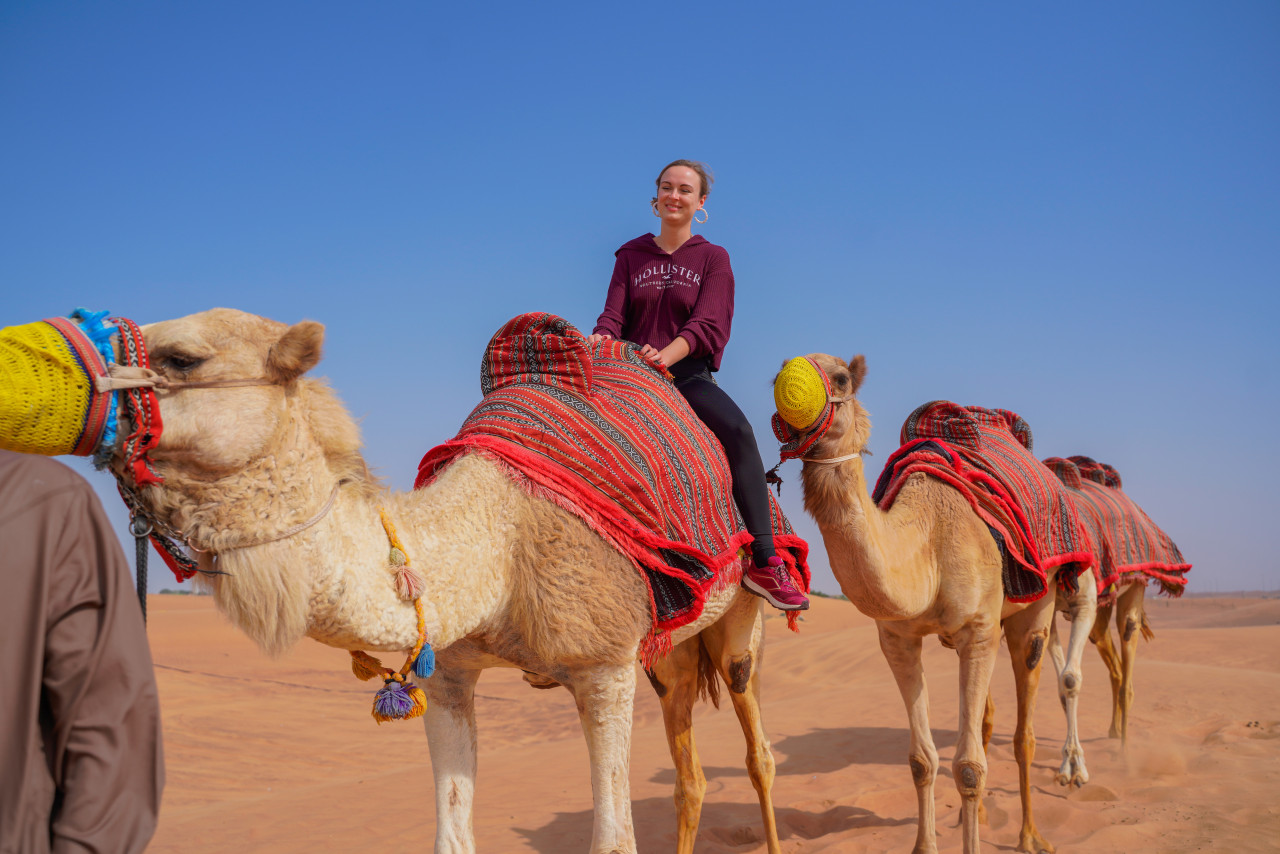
column 653, row 297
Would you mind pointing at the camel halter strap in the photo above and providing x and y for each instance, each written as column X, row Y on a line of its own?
column 283, row 535
column 399, row 699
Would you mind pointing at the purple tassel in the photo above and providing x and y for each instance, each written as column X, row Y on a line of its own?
column 392, row 702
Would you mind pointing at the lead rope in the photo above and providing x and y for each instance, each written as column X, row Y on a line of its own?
column 141, row 529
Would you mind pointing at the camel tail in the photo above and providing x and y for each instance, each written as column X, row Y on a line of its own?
column 708, row 678
column 1147, row 633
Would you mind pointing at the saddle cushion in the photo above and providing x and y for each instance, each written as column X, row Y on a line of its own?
column 603, row 432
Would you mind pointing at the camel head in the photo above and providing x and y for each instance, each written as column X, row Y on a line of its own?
column 212, row 433
column 850, row 428
column 240, row 463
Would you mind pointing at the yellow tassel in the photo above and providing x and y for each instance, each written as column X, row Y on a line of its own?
column 419, row 698
column 365, row 666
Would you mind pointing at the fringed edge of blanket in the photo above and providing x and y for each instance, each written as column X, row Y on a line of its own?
column 1170, row 576
column 726, row 567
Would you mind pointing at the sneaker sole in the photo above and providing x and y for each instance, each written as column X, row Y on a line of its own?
column 752, row 587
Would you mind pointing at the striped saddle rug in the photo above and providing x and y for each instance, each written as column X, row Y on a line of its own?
column 986, row 455
column 1129, row 545
column 602, row 432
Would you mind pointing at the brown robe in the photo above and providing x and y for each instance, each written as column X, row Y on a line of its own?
column 81, row 767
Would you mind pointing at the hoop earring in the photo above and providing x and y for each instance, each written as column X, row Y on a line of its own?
column 705, row 216
column 654, row 207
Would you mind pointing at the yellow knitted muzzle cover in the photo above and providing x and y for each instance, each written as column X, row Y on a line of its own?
column 799, row 393
column 48, row 403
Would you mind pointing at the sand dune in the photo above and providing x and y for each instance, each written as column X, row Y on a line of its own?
column 282, row 755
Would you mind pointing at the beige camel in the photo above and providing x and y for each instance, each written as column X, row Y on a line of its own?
column 1131, row 621
column 512, row 580
column 928, row 566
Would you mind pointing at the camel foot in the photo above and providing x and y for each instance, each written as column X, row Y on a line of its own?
column 1072, row 774
column 1034, row 843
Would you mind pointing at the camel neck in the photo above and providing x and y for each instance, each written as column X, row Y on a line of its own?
column 876, row 556
column 334, row 582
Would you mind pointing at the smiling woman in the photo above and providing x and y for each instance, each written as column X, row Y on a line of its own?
column 673, row 295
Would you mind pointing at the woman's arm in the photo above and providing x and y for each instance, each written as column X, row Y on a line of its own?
column 668, row 355
column 707, row 329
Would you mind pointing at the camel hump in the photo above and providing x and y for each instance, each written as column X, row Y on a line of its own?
column 538, row 348
column 1090, row 469
column 1066, row 471
column 962, row 425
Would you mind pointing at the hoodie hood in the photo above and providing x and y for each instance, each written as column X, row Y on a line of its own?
column 647, row 244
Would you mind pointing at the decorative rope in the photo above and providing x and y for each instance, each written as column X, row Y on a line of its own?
column 398, row 698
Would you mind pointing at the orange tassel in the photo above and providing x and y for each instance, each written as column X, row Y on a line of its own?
column 365, row 666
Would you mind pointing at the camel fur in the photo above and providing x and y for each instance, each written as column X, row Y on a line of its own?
column 511, row 580
column 927, row 566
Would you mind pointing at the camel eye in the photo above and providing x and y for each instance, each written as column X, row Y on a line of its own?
column 182, row 363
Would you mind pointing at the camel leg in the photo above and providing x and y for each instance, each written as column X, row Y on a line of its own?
column 736, row 645
column 451, row 740
column 605, row 695
column 903, row 654
column 977, row 650
column 1101, row 637
column 1129, row 625
column 1027, row 632
column 988, row 727
column 675, row 679
column 1083, row 607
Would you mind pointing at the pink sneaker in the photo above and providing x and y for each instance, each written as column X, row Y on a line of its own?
column 773, row 584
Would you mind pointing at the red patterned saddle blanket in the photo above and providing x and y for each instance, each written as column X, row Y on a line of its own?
column 986, row 455
column 1128, row 544
column 603, row 432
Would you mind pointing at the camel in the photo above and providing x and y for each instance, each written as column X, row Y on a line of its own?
column 928, row 566
column 1128, row 605
column 512, row 580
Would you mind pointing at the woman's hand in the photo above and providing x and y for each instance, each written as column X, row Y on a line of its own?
column 595, row 338
column 652, row 353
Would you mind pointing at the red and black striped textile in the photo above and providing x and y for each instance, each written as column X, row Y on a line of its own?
column 1134, row 546
column 1095, row 515
column 986, row 455
column 602, row 432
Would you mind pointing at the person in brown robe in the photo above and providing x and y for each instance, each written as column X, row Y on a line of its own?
column 81, row 762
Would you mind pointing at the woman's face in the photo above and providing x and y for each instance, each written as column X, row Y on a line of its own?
column 679, row 195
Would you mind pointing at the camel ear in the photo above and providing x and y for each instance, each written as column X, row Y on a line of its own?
column 297, row 352
column 857, row 372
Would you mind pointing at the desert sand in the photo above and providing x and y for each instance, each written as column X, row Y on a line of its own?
column 282, row 755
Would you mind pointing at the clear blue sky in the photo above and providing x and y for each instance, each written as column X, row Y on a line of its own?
column 1071, row 211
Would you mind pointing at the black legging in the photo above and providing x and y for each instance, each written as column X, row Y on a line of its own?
column 718, row 411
